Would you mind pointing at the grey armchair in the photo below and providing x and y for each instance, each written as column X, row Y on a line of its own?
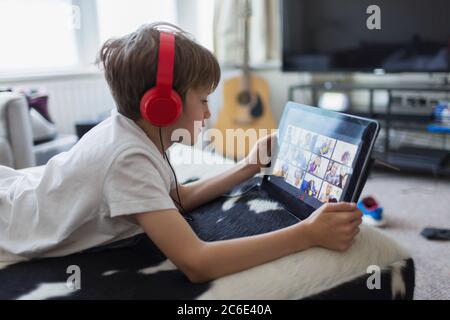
column 16, row 136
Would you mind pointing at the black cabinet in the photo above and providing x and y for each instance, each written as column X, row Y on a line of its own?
column 405, row 158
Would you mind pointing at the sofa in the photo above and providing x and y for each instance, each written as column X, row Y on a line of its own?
column 17, row 149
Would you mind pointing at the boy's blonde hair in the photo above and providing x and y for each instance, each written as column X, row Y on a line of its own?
column 130, row 64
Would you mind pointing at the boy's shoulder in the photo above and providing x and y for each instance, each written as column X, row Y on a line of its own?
column 115, row 131
column 115, row 136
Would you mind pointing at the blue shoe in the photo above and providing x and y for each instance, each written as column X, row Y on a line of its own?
column 372, row 212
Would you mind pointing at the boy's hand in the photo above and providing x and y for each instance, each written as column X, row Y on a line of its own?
column 334, row 225
column 261, row 153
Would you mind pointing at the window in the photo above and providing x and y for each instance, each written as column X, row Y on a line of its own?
column 204, row 32
column 119, row 17
column 36, row 34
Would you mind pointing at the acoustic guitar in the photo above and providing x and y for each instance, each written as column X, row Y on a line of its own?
column 246, row 106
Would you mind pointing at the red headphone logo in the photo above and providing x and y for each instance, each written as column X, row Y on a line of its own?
column 161, row 105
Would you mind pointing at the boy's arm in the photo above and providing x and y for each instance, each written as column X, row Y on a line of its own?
column 332, row 226
column 200, row 192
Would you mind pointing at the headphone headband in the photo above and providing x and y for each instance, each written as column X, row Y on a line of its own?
column 166, row 57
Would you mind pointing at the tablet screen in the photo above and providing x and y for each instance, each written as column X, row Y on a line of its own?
column 317, row 154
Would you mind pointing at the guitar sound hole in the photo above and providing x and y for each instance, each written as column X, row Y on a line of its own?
column 244, row 98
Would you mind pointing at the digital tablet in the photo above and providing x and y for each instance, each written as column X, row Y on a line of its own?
column 321, row 156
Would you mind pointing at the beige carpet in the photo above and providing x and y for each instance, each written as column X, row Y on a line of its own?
column 412, row 203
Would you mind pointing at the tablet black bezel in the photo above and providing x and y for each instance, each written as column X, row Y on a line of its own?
column 300, row 208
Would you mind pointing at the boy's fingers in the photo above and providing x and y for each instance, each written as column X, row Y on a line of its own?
column 340, row 206
column 350, row 216
column 357, row 214
column 356, row 222
column 355, row 232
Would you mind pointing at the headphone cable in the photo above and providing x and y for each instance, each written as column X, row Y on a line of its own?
column 183, row 211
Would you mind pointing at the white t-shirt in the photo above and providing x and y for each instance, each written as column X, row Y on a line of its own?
column 85, row 196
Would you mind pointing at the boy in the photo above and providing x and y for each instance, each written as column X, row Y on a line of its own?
column 116, row 183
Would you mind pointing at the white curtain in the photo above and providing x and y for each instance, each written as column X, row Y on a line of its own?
column 264, row 44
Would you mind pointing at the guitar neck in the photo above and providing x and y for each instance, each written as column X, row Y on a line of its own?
column 246, row 86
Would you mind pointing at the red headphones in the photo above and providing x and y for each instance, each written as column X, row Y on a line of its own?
column 161, row 105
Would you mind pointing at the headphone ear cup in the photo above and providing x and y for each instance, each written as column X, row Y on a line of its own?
column 178, row 104
column 159, row 109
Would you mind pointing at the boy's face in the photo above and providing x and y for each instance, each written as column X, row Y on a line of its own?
column 195, row 111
